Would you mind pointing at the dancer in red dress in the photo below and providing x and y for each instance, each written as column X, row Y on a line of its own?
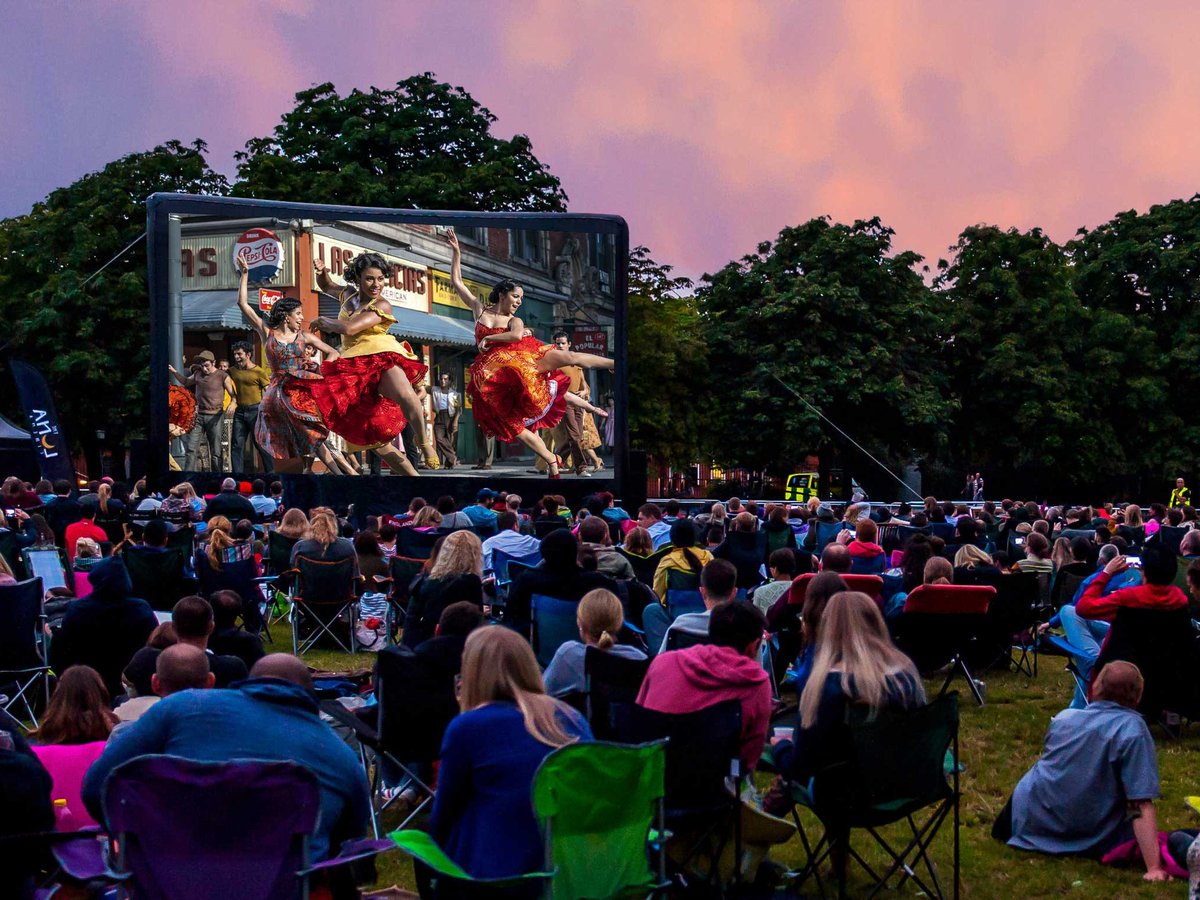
column 367, row 394
column 515, row 383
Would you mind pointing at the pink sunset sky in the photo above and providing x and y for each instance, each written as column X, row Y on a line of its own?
column 707, row 125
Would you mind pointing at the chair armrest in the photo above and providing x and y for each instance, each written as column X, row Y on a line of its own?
column 352, row 851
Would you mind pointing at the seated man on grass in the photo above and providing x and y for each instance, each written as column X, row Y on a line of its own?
column 1095, row 784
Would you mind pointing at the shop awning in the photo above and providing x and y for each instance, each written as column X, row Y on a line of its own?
column 214, row 310
column 416, row 326
column 429, row 328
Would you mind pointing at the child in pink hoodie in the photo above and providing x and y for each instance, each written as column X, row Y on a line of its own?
column 726, row 668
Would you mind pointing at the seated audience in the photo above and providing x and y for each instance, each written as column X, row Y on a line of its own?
column 718, row 584
column 371, row 561
column 427, row 520
column 1095, row 784
column 600, row 618
column 866, row 556
column 230, row 504
column 650, row 517
column 508, row 540
column 104, row 629
column 272, row 716
column 180, row 667
column 1037, row 555
column 1158, row 569
column 85, row 527
column 451, row 517
column 855, row 663
column 293, row 525
column 684, row 556
column 560, row 576
column 482, row 817
column 228, row 637
column 456, row 623
column 973, row 565
column 194, row 623
column 456, row 575
column 263, row 505
column 322, row 542
column 595, row 538
column 724, row 668
column 781, row 565
column 638, row 542
column 481, row 513
column 78, row 721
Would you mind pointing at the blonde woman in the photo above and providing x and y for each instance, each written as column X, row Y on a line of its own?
column 456, row 575
column 971, row 563
column 1060, row 553
column 482, row 817
column 599, row 617
column 427, row 519
column 322, row 541
column 220, row 547
column 856, row 663
column 638, row 542
column 294, row 524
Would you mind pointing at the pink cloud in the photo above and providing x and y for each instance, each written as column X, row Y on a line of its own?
column 709, row 125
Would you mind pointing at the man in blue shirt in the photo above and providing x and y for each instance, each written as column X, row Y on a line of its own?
column 650, row 517
column 482, row 513
column 508, row 539
column 272, row 715
column 1096, row 783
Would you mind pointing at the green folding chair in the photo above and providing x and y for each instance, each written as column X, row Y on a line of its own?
column 601, row 811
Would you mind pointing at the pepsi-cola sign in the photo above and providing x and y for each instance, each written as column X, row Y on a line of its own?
column 263, row 252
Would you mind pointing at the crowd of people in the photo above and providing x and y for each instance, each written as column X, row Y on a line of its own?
column 696, row 596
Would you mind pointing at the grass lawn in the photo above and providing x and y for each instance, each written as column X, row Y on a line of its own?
column 998, row 744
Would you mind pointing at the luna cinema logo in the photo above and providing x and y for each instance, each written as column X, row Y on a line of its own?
column 44, row 432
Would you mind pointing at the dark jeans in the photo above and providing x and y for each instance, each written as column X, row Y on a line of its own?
column 208, row 424
column 244, row 418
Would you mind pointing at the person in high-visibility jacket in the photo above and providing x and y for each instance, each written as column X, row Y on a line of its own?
column 1181, row 496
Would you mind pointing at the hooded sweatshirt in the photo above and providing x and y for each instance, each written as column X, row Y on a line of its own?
column 683, row 681
column 865, row 550
column 1094, row 604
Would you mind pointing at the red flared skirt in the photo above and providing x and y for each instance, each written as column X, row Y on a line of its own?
column 508, row 394
column 349, row 400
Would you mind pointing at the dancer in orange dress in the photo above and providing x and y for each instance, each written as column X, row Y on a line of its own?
column 367, row 394
column 515, row 382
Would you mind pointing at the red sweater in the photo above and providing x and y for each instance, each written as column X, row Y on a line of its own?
column 1093, row 605
column 682, row 681
column 83, row 528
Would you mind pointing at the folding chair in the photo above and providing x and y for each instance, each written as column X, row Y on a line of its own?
column 897, row 766
column 609, row 679
column 554, row 624
column 1013, row 616
column 324, row 590
column 1073, row 654
column 183, row 538
column 600, row 806
column 702, row 751
column 940, row 627
column 871, row 585
column 246, row 833
column 1164, row 646
column 404, row 730
column 23, row 651
column 403, row 570
column 644, row 567
column 683, row 593
column 747, row 550
column 825, row 532
column 241, row 577
column 158, row 576
column 279, row 552
column 415, row 544
column 1170, row 536
column 500, row 563
column 483, row 532
column 543, row 528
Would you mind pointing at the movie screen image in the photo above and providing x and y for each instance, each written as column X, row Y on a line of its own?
column 335, row 346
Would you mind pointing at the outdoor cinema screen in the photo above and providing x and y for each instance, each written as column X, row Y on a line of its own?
column 340, row 341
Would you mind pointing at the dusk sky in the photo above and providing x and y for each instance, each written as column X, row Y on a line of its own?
column 707, row 125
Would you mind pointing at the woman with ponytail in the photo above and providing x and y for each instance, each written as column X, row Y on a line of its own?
column 600, row 618
column 482, row 817
column 369, row 393
column 289, row 425
column 516, row 386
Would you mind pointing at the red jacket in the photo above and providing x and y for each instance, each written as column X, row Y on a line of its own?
column 864, row 549
column 682, row 681
column 1093, row 605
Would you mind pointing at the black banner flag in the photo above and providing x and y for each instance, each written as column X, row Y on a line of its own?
column 54, row 457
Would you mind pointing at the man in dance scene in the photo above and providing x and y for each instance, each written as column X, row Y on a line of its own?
column 447, row 407
column 249, row 382
column 211, row 386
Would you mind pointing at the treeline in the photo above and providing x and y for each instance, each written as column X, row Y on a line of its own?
column 1051, row 368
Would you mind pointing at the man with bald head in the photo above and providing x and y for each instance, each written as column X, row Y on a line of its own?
column 271, row 715
column 180, row 667
column 835, row 558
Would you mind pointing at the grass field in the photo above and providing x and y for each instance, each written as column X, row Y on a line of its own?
column 998, row 743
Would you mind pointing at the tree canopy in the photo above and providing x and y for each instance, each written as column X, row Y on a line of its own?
column 831, row 312
column 90, row 340
column 423, row 144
